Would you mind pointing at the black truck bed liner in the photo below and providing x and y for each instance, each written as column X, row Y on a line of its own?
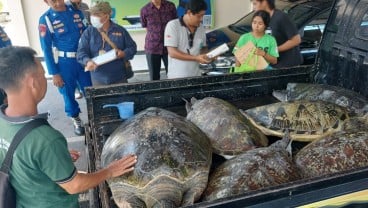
column 242, row 90
column 342, row 61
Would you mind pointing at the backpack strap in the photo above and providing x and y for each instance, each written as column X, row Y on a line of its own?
column 26, row 129
column 108, row 40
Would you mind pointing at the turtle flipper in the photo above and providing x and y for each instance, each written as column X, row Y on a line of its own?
column 281, row 95
column 287, row 141
column 363, row 111
column 164, row 204
column 188, row 105
column 289, row 148
column 284, row 143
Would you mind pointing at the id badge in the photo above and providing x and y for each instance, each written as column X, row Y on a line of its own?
column 101, row 52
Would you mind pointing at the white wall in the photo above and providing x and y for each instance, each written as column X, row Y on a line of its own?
column 226, row 12
column 32, row 12
column 23, row 27
column 16, row 28
column 25, row 15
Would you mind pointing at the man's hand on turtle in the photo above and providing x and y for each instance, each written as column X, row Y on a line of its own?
column 121, row 166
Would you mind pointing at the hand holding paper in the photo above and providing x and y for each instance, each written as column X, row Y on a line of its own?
column 218, row 51
column 203, row 59
column 245, row 54
column 100, row 60
column 105, row 58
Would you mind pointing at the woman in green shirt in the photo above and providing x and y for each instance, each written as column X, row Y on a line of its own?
column 266, row 45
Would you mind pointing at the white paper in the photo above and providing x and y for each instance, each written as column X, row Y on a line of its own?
column 218, row 51
column 105, row 58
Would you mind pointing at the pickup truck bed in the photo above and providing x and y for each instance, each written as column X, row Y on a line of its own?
column 342, row 61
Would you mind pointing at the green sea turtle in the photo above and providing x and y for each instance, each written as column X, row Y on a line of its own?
column 230, row 133
column 355, row 102
column 340, row 151
column 174, row 159
column 306, row 120
column 255, row 169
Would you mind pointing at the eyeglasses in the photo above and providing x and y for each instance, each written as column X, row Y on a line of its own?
column 190, row 39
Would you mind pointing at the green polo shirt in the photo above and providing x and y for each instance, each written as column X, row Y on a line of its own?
column 40, row 162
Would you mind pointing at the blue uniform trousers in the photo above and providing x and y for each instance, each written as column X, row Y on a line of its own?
column 72, row 72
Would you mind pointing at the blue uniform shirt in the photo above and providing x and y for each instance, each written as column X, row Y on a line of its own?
column 62, row 32
column 91, row 43
column 5, row 40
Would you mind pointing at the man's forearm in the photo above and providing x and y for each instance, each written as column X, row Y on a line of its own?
column 294, row 41
column 85, row 181
column 175, row 53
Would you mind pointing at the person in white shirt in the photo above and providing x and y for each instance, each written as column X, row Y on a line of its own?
column 185, row 40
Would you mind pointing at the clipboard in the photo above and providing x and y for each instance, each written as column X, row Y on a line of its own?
column 105, row 58
column 218, row 51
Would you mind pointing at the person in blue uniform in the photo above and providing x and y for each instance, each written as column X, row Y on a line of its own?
column 4, row 42
column 78, row 4
column 60, row 28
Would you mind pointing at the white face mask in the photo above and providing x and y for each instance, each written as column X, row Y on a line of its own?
column 96, row 22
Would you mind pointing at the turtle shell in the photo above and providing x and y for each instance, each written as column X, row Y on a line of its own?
column 305, row 120
column 252, row 170
column 356, row 123
column 230, row 133
column 354, row 102
column 340, row 151
column 174, row 158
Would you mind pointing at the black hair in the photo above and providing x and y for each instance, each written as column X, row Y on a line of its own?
column 196, row 6
column 264, row 15
column 271, row 3
column 15, row 62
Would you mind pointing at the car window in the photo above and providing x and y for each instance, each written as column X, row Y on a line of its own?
column 300, row 14
column 312, row 32
column 243, row 25
column 304, row 13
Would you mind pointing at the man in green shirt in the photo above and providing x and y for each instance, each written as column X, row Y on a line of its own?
column 42, row 171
